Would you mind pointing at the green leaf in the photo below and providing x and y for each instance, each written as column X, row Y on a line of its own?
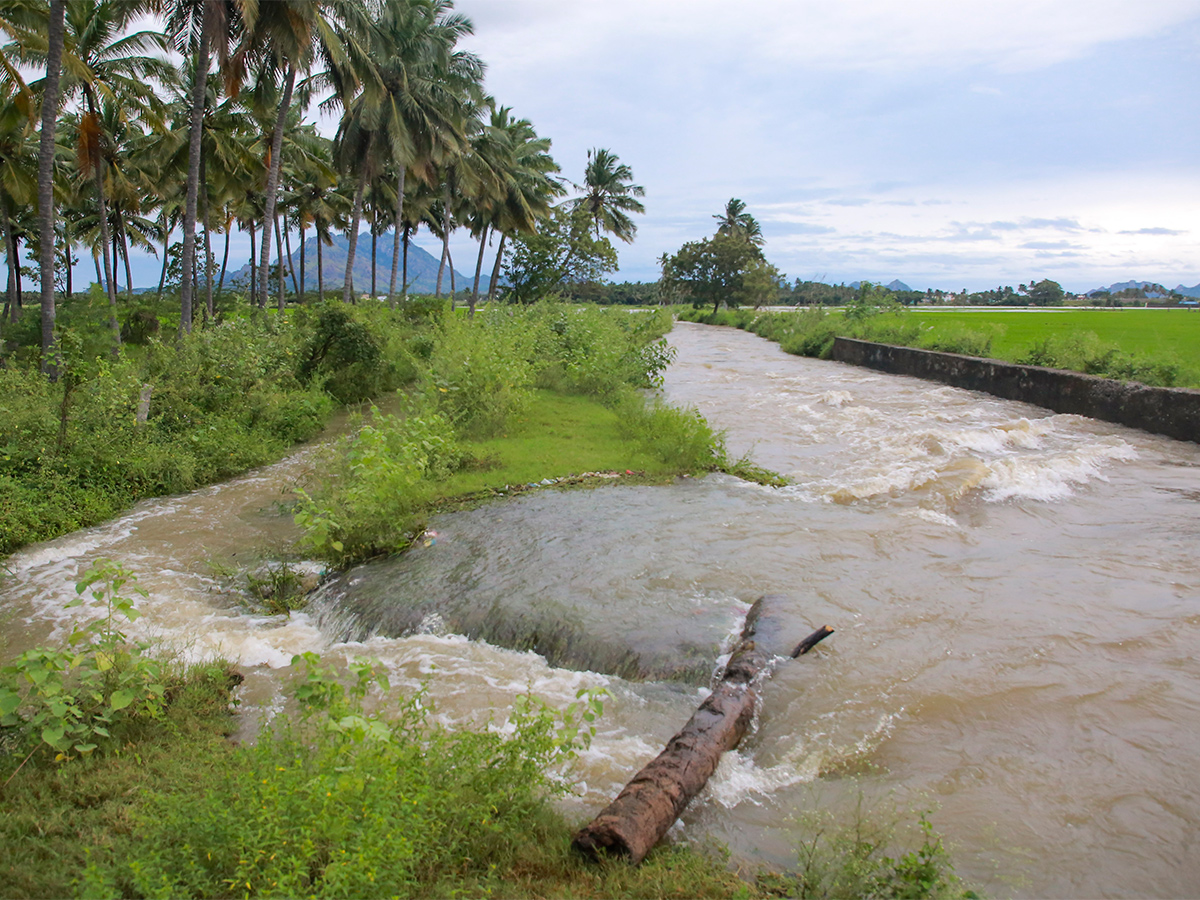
column 53, row 735
column 9, row 701
column 85, row 749
column 120, row 699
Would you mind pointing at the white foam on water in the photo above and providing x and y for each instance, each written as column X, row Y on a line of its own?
column 738, row 779
column 836, row 399
column 932, row 516
column 1054, row 477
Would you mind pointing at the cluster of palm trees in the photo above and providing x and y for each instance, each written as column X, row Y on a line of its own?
column 187, row 117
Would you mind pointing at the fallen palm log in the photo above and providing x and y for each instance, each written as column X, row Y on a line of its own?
column 643, row 812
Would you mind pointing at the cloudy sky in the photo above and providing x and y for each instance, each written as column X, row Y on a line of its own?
column 947, row 143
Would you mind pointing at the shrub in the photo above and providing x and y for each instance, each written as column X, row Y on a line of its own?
column 347, row 803
column 480, row 372
column 678, row 436
column 77, row 699
column 373, row 482
column 856, row 859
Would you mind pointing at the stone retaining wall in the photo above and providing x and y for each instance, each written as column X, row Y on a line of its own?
column 1174, row 412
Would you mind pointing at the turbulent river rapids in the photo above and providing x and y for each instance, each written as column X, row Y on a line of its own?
column 1016, row 597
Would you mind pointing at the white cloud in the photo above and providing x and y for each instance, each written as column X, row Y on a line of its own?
column 852, row 34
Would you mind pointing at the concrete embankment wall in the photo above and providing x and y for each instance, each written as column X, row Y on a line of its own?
column 1174, row 412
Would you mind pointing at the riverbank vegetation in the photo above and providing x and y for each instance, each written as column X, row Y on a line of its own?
column 355, row 791
column 518, row 396
column 1153, row 347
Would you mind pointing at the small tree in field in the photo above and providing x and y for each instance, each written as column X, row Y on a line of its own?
column 712, row 270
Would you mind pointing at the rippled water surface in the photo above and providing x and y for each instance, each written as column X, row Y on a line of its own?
column 1015, row 595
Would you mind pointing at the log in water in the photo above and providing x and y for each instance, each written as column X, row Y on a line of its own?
column 644, row 811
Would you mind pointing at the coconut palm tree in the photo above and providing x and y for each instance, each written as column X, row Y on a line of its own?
column 198, row 28
column 106, row 64
column 609, row 196
column 55, row 36
column 736, row 222
column 412, row 114
column 530, row 188
column 287, row 37
column 309, row 201
column 512, row 187
column 18, row 187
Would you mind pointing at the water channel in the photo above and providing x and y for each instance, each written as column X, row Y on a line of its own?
column 1015, row 595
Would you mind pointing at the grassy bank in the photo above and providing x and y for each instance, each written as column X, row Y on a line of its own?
column 1160, row 348
column 167, row 414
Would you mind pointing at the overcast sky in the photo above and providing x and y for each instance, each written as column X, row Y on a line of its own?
column 947, row 143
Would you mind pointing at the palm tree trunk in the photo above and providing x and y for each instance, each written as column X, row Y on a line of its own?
column 125, row 253
column 208, row 257
column 396, row 235
column 110, row 266
column 285, row 105
column 56, row 32
column 320, row 272
column 253, row 266
column 280, row 301
column 224, row 262
column 404, row 276
column 195, row 131
column 355, row 219
column 478, row 268
column 374, row 247
column 116, row 260
column 10, row 253
column 496, row 269
column 287, row 242
column 450, row 263
column 162, row 278
column 20, row 299
column 99, row 278
column 445, row 240
column 300, row 299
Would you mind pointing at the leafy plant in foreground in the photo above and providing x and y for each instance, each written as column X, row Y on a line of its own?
column 72, row 699
column 346, row 801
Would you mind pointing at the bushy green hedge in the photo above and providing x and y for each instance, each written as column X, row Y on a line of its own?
column 223, row 399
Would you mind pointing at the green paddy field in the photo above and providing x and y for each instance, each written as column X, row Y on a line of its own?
column 1143, row 332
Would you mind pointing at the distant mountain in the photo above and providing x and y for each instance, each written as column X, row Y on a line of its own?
column 895, row 285
column 1188, row 291
column 1152, row 289
column 422, row 267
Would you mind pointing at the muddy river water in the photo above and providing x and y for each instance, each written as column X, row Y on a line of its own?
column 1016, row 598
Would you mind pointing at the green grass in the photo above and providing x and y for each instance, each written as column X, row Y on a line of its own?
column 1154, row 347
column 1140, row 331
column 557, row 435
